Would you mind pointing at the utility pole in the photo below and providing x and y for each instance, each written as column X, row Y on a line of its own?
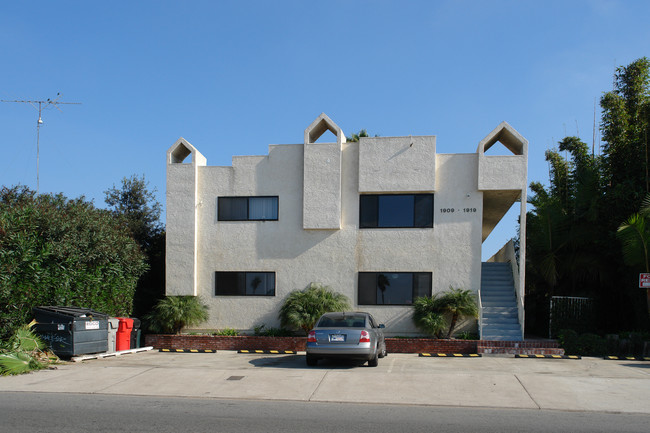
column 42, row 105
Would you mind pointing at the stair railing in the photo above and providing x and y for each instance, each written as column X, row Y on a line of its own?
column 480, row 314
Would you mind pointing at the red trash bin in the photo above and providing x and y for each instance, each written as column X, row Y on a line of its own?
column 123, row 338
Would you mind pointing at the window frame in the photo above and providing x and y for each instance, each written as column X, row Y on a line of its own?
column 248, row 207
column 362, row 300
column 241, row 291
column 370, row 211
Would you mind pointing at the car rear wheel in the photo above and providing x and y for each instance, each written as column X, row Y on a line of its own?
column 374, row 361
column 311, row 360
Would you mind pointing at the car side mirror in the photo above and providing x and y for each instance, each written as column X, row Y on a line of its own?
column 382, row 326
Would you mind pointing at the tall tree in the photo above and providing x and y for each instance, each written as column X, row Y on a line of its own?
column 572, row 226
column 136, row 206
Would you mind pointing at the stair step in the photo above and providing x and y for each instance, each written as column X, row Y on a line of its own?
column 489, row 321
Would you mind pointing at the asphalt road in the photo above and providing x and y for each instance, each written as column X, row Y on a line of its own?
column 68, row 413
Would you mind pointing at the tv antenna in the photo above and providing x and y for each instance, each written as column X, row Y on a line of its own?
column 42, row 105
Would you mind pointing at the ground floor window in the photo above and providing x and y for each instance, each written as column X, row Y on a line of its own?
column 392, row 288
column 244, row 283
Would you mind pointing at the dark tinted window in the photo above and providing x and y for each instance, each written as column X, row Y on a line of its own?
column 247, row 208
column 392, row 288
column 347, row 321
column 396, row 211
column 245, row 283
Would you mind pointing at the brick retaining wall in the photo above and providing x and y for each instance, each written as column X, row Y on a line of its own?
column 393, row 345
column 215, row 342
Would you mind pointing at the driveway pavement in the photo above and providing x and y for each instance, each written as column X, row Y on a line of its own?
column 589, row 384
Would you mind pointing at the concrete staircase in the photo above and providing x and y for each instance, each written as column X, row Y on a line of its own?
column 500, row 315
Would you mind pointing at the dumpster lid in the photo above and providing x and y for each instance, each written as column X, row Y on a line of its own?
column 70, row 311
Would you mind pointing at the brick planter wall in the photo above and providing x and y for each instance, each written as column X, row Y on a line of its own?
column 429, row 345
column 393, row 345
column 531, row 347
column 216, row 342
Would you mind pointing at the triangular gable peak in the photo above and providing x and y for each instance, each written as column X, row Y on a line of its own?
column 506, row 135
column 319, row 126
column 178, row 153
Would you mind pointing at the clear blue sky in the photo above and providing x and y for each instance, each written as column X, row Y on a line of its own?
column 233, row 77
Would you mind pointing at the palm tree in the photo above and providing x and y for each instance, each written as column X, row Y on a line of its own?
column 427, row 315
column 302, row 308
column 173, row 313
column 634, row 233
column 459, row 303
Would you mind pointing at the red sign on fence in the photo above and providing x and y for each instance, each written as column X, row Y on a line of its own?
column 644, row 281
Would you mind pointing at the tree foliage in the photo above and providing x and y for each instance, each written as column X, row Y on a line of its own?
column 302, row 308
column 138, row 207
column 572, row 248
column 59, row 251
column 135, row 205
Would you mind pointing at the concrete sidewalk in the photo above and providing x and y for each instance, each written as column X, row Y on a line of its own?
column 589, row 384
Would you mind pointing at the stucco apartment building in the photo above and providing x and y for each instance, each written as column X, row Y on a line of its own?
column 382, row 220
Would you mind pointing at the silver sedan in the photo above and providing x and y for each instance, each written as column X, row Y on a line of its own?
column 351, row 335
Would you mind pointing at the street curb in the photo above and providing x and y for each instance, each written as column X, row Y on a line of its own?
column 627, row 358
column 271, row 352
column 188, row 350
column 548, row 356
column 450, row 355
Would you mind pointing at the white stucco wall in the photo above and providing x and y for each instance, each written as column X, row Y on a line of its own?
column 397, row 164
column 322, row 186
column 502, row 172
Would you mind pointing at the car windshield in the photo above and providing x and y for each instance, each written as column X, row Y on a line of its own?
column 342, row 322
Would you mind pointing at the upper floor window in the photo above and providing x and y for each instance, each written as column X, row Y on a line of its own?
column 392, row 288
column 244, row 284
column 396, row 211
column 247, row 208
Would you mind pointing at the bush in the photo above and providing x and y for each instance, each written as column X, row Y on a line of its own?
column 272, row 332
column 302, row 308
column 584, row 345
column 24, row 352
column 173, row 313
column 428, row 317
column 226, row 332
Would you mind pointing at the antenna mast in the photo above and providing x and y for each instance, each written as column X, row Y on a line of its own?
column 42, row 105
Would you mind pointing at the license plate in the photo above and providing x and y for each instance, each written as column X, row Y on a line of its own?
column 337, row 338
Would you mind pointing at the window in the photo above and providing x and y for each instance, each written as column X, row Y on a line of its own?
column 393, row 288
column 245, row 284
column 247, row 208
column 396, row 211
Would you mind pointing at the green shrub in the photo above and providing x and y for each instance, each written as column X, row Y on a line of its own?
column 24, row 352
column 466, row 335
column 302, row 308
column 272, row 332
column 583, row 345
column 428, row 317
column 226, row 332
column 173, row 313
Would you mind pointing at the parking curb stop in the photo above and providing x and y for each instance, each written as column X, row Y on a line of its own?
column 188, row 350
column 450, row 355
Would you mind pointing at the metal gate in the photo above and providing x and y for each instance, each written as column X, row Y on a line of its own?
column 568, row 312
